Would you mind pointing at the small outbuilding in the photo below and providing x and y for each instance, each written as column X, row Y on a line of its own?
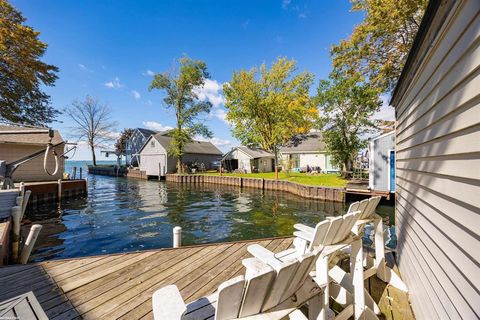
column 135, row 143
column 17, row 143
column 155, row 160
column 307, row 152
column 381, row 168
column 248, row 160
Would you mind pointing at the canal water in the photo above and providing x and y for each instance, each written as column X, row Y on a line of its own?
column 124, row 215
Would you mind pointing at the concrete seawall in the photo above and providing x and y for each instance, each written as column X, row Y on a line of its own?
column 306, row 191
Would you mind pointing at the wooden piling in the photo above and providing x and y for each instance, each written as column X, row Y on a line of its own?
column 29, row 243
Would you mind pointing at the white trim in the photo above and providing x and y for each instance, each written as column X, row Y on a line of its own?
column 371, row 165
column 383, row 135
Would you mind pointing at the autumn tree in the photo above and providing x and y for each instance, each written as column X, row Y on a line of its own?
column 378, row 47
column 346, row 104
column 22, row 73
column 181, row 95
column 268, row 107
column 92, row 123
column 121, row 143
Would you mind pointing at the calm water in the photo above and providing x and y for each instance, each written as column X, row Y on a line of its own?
column 121, row 215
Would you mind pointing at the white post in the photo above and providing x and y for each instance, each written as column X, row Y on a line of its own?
column 16, row 219
column 59, row 190
column 22, row 188
column 177, row 237
column 26, row 197
column 28, row 246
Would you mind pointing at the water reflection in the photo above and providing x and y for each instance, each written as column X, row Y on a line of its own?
column 127, row 215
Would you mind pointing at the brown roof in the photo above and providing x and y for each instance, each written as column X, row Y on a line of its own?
column 24, row 135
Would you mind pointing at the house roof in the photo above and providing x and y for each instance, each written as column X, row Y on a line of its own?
column 198, row 147
column 432, row 21
column 310, row 142
column 146, row 132
column 25, row 135
column 253, row 153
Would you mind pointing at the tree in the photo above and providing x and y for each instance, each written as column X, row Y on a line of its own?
column 378, row 47
column 346, row 104
column 121, row 143
column 181, row 95
column 22, row 74
column 93, row 123
column 268, row 107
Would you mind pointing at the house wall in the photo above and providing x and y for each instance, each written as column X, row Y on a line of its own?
column 438, row 172
column 134, row 144
column 243, row 160
column 33, row 169
column 379, row 166
column 318, row 159
column 265, row 164
column 206, row 159
column 154, row 160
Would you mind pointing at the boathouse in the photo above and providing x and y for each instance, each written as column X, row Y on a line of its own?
column 135, row 143
column 307, row 152
column 437, row 105
column 17, row 143
column 155, row 160
column 248, row 160
column 381, row 168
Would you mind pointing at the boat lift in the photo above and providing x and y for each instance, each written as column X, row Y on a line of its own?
column 7, row 169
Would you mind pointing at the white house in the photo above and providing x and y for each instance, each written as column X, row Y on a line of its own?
column 155, row 161
column 381, row 152
column 307, row 151
column 248, row 160
column 135, row 143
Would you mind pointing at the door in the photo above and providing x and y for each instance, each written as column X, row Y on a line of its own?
column 153, row 164
column 392, row 170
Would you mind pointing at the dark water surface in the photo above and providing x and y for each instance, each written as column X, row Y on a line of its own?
column 122, row 215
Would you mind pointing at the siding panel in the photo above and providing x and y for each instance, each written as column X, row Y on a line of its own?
column 438, row 172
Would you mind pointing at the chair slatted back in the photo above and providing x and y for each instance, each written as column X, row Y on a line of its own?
column 285, row 274
column 230, row 294
column 319, row 234
column 349, row 220
column 354, row 206
column 307, row 262
column 255, row 292
column 370, row 209
column 335, row 226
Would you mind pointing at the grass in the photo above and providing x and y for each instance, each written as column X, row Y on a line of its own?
column 325, row 180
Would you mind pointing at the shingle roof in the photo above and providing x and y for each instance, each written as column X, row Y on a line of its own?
column 310, row 142
column 254, row 153
column 24, row 135
column 146, row 132
column 199, row 147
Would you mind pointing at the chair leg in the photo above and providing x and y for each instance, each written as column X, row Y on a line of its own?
column 322, row 279
column 356, row 269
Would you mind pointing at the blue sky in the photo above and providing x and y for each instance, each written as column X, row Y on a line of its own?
column 108, row 49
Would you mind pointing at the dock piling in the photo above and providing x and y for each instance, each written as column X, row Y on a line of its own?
column 31, row 239
column 177, row 237
column 16, row 219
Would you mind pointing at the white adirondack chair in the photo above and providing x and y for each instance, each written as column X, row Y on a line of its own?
column 328, row 237
column 379, row 268
column 267, row 291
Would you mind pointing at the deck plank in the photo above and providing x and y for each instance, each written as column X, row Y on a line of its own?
column 120, row 286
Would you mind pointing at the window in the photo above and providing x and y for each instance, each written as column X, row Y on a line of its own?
column 295, row 161
column 152, row 144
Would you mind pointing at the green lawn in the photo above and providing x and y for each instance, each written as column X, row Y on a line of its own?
column 326, row 180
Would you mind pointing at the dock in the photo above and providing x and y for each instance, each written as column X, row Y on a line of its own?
column 120, row 286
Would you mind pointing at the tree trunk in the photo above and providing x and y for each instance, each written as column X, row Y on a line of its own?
column 179, row 165
column 94, row 158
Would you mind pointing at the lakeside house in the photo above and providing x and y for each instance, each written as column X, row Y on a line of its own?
column 248, row 160
column 307, row 152
column 135, row 143
column 437, row 105
column 381, row 168
column 155, row 160
column 17, row 143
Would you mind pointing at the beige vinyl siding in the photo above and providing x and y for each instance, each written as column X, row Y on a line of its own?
column 33, row 169
column 438, row 172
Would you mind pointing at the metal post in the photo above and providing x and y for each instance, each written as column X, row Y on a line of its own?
column 28, row 246
column 80, row 172
column 59, row 190
column 177, row 237
column 74, row 173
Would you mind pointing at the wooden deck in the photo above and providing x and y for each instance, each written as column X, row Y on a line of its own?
column 120, row 286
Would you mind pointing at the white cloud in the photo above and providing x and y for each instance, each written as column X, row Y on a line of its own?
column 220, row 114
column 386, row 111
column 148, row 73
column 84, row 68
column 286, row 3
column 114, row 84
column 211, row 91
column 153, row 125
column 136, row 94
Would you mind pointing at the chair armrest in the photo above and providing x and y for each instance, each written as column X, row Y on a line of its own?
column 304, row 228
column 264, row 255
column 167, row 303
column 304, row 235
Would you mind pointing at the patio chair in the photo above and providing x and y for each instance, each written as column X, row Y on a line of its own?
column 266, row 291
